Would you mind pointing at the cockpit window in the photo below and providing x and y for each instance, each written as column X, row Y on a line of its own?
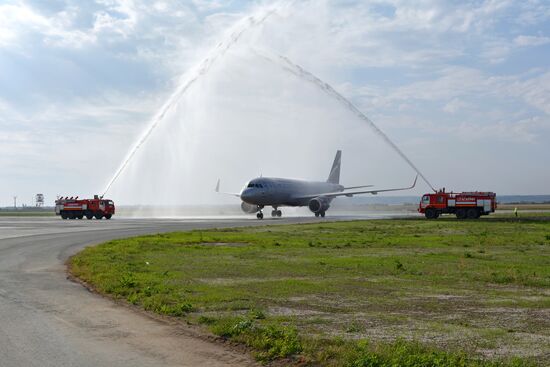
column 259, row 186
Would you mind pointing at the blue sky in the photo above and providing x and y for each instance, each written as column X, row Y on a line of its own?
column 460, row 86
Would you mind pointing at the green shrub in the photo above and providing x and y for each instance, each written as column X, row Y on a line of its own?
column 127, row 280
column 270, row 342
column 399, row 265
column 275, row 342
column 408, row 354
column 166, row 305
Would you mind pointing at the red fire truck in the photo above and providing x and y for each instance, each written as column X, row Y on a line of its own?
column 75, row 208
column 464, row 205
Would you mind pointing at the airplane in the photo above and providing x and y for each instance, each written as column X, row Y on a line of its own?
column 280, row 192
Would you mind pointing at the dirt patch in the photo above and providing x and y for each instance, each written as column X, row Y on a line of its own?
column 237, row 281
column 288, row 311
column 222, row 244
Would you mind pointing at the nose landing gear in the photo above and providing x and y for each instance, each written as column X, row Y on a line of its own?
column 260, row 214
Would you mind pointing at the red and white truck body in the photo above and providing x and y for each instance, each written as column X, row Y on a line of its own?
column 469, row 205
column 75, row 208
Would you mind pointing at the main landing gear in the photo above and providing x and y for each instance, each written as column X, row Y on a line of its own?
column 321, row 214
column 275, row 213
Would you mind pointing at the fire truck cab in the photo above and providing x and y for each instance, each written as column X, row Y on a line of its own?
column 464, row 205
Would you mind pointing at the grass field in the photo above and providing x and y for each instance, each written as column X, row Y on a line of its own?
column 362, row 293
column 530, row 207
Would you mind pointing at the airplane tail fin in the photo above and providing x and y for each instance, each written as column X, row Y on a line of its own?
column 334, row 176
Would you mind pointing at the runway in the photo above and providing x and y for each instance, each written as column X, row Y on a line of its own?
column 47, row 320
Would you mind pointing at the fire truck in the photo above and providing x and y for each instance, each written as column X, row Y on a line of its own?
column 75, row 208
column 464, row 205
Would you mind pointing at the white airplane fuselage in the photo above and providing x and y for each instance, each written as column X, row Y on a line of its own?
column 266, row 191
column 317, row 195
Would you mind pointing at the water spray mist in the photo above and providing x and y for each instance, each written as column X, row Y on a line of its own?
column 303, row 74
column 219, row 51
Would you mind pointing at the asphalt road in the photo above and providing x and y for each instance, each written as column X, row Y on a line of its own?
column 48, row 320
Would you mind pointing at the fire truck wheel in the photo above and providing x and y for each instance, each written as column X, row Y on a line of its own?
column 430, row 213
column 472, row 213
column 98, row 216
column 80, row 216
column 89, row 215
column 461, row 213
column 108, row 216
column 63, row 216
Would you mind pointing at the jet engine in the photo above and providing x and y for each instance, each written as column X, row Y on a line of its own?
column 249, row 208
column 319, row 204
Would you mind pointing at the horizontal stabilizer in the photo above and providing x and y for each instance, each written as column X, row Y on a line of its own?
column 225, row 193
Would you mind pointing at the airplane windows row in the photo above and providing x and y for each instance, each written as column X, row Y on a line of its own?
column 260, row 186
column 267, row 185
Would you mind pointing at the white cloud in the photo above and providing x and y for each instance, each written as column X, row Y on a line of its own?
column 449, row 83
column 535, row 91
column 531, row 40
column 496, row 51
column 454, row 105
column 18, row 19
column 426, row 67
column 209, row 5
column 533, row 12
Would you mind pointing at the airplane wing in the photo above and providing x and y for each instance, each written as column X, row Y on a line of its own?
column 357, row 187
column 352, row 193
column 225, row 193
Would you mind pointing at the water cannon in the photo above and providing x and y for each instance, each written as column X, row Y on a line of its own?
column 96, row 197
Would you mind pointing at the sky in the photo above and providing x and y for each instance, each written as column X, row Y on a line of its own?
column 463, row 88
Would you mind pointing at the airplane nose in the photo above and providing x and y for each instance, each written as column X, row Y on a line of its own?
column 247, row 195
